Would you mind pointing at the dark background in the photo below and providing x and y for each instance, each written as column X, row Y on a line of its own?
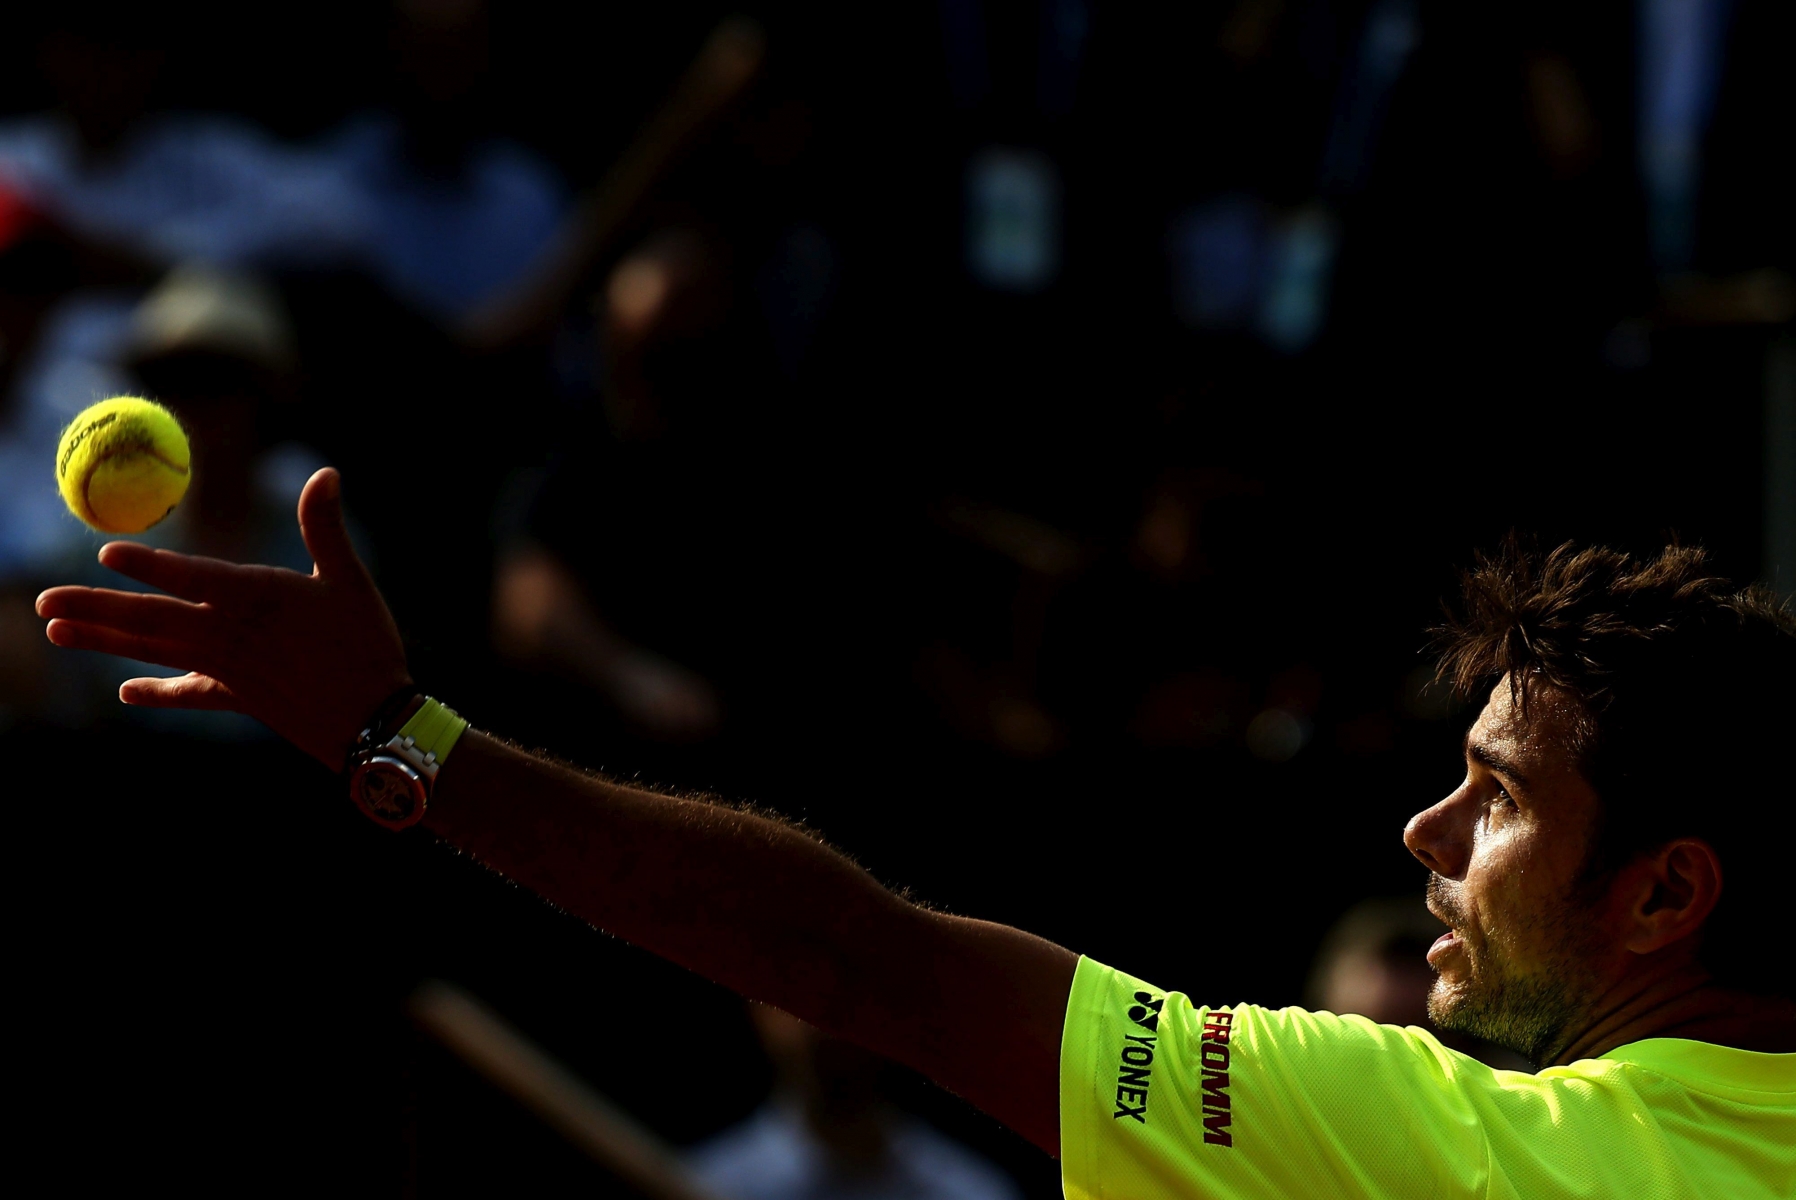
column 996, row 584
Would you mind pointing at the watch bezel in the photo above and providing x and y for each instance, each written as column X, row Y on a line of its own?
column 379, row 808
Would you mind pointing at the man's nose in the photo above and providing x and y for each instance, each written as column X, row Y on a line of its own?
column 1436, row 838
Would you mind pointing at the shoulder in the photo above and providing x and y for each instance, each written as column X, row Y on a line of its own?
column 1244, row 1101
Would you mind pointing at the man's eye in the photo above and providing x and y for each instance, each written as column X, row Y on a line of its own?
column 1502, row 799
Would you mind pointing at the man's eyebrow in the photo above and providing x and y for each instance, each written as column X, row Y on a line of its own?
column 1493, row 759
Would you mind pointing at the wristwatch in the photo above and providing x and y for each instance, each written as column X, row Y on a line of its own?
column 393, row 767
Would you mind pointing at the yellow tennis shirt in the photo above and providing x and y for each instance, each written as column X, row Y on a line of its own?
column 1163, row 1098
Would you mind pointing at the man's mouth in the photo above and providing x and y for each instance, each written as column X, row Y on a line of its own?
column 1444, row 912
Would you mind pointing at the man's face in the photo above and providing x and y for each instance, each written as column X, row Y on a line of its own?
column 1524, row 958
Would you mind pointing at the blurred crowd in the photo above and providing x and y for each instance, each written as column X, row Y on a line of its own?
column 1025, row 439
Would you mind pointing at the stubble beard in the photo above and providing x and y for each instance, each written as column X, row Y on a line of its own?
column 1534, row 1012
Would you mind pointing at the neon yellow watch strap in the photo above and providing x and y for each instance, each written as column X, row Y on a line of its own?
column 433, row 731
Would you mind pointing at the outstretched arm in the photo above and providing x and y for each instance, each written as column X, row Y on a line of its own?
column 769, row 911
column 750, row 902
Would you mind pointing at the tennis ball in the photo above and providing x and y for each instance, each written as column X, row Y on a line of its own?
column 123, row 464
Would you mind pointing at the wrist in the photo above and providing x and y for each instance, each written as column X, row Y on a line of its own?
column 392, row 771
column 348, row 730
column 388, row 716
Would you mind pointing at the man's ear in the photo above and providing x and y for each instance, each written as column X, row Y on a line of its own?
column 1678, row 886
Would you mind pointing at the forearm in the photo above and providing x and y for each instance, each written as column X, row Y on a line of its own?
column 752, row 903
column 682, row 877
column 771, row 912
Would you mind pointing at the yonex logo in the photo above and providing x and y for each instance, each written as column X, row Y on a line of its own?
column 1135, row 1072
column 1145, row 1012
column 1133, row 1075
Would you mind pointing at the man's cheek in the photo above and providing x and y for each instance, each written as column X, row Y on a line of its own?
column 1497, row 907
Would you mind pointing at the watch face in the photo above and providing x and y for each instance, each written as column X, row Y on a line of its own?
column 389, row 791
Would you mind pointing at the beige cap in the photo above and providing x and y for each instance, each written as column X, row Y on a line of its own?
column 199, row 309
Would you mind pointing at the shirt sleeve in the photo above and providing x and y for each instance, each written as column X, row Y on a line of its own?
column 1163, row 1098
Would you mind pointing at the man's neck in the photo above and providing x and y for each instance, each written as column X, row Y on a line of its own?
column 1684, row 1002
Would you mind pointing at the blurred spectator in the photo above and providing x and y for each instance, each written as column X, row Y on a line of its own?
column 1275, row 157
column 660, row 562
column 421, row 193
column 73, row 361
column 987, row 688
column 216, row 348
column 1709, row 101
column 1374, row 963
column 165, row 187
column 543, row 619
column 240, row 998
column 101, row 194
column 456, row 214
column 829, row 1134
column 583, row 565
column 28, row 281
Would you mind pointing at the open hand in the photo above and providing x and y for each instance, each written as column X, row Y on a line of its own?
column 310, row 656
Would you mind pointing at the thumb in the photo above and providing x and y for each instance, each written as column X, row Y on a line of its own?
column 321, row 525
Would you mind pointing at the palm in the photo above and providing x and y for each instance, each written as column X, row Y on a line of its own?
column 309, row 655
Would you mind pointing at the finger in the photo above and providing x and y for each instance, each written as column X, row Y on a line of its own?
column 185, row 575
column 191, row 690
column 321, row 524
column 77, row 635
column 141, row 613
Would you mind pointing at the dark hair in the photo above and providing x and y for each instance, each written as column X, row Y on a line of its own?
column 1685, row 688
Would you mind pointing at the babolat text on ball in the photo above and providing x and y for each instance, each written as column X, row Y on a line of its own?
column 123, row 464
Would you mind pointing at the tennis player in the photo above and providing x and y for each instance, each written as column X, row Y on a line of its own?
column 1624, row 825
